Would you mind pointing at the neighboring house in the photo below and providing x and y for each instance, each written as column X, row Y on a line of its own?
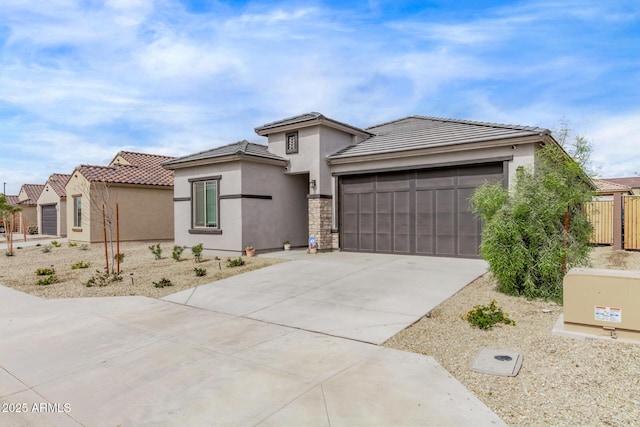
column 631, row 182
column 52, row 206
column 606, row 189
column 28, row 203
column 15, row 202
column 142, row 189
column 399, row 187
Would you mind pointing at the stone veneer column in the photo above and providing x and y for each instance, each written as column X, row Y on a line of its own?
column 320, row 208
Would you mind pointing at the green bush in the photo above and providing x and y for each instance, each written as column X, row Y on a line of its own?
column 197, row 252
column 118, row 257
column 46, row 249
column 236, row 262
column 200, row 271
column 45, row 271
column 162, row 283
column 84, row 247
column 102, row 279
column 72, row 244
column 9, row 253
column 523, row 237
column 56, row 243
column 177, row 252
column 487, row 316
column 80, row 264
column 52, row 278
column 156, row 250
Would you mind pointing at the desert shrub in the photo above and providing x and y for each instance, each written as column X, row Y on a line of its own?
column 118, row 257
column 177, row 252
column 102, row 279
column 56, row 243
column 197, row 252
column 487, row 316
column 45, row 271
column 46, row 249
column 80, row 264
column 236, row 262
column 33, row 229
column 523, row 238
column 72, row 244
column 10, row 253
column 84, row 247
column 162, row 283
column 52, row 278
column 200, row 271
column 38, row 244
column 156, row 250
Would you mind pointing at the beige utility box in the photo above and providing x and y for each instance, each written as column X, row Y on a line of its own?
column 602, row 302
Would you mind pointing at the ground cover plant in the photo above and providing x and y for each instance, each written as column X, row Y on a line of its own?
column 18, row 271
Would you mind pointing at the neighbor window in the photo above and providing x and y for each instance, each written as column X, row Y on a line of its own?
column 77, row 211
column 292, row 142
column 205, row 204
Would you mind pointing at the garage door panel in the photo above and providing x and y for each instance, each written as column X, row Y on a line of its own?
column 402, row 222
column 49, row 220
column 422, row 212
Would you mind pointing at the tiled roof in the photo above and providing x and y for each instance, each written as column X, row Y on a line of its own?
column 57, row 181
column 300, row 119
column 633, row 182
column 145, row 169
column 12, row 200
column 241, row 147
column 33, row 193
column 418, row 132
column 606, row 186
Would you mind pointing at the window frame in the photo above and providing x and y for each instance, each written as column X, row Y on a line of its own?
column 205, row 180
column 77, row 211
column 296, row 142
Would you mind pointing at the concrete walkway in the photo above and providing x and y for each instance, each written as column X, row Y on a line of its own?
column 134, row 361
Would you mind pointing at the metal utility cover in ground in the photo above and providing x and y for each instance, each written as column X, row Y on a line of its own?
column 506, row 363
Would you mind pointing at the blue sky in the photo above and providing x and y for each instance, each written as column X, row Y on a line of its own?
column 81, row 80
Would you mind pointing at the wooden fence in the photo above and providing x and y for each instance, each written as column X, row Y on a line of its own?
column 602, row 216
column 631, row 215
column 600, row 213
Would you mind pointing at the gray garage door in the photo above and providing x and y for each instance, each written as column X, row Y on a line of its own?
column 424, row 212
column 49, row 220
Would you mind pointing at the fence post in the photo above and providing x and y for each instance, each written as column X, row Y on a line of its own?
column 617, row 222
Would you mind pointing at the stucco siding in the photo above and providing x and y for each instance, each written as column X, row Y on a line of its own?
column 49, row 197
column 230, row 215
column 267, row 223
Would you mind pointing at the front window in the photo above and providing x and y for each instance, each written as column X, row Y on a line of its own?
column 292, row 142
column 205, row 204
column 77, row 211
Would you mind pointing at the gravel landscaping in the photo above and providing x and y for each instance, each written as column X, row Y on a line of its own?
column 18, row 271
column 563, row 381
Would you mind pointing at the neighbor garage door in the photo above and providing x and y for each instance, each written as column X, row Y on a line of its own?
column 49, row 220
column 423, row 212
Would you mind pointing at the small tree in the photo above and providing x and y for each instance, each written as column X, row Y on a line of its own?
column 7, row 213
column 524, row 239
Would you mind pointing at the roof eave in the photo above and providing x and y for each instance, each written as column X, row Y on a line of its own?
column 225, row 159
column 316, row 121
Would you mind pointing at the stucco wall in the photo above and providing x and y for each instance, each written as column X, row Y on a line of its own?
column 145, row 213
column 230, row 215
column 267, row 223
column 49, row 197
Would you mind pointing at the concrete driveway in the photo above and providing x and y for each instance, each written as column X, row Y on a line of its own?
column 365, row 297
column 134, row 361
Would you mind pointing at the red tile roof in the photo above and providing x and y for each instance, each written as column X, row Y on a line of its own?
column 606, row 186
column 33, row 192
column 633, row 182
column 57, row 181
column 12, row 200
column 144, row 169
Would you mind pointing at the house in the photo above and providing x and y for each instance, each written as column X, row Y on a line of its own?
column 13, row 201
column 632, row 182
column 141, row 188
column 52, row 206
column 28, row 204
column 606, row 189
column 398, row 187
